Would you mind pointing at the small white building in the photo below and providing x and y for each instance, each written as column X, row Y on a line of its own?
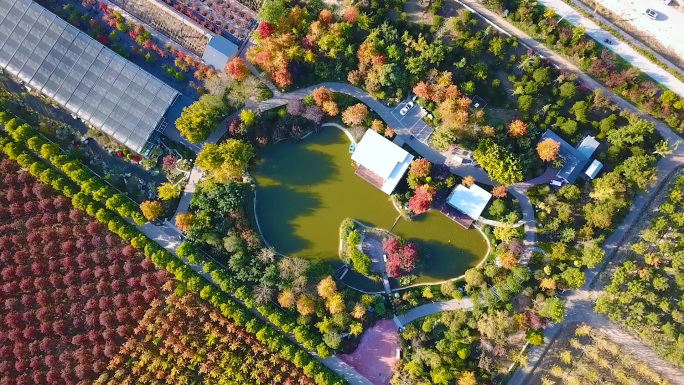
column 469, row 200
column 380, row 162
column 593, row 169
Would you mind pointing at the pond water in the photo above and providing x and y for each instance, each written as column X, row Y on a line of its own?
column 306, row 189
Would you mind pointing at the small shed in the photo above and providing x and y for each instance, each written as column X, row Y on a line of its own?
column 219, row 51
column 593, row 169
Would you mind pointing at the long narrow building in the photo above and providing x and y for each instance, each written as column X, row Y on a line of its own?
column 86, row 78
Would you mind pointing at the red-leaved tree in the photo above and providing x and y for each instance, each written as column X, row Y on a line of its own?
column 422, row 199
column 237, row 68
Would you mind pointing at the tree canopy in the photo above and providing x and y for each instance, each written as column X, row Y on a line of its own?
column 199, row 119
column 501, row 165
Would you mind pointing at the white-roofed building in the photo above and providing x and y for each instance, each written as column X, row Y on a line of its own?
column 469, row 200
column 593, row 169
column 380, row 162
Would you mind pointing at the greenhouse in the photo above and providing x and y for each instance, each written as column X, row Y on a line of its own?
column 80, row 74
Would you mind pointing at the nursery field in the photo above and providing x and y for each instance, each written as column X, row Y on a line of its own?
column 582, row 355
column 83, row 306
column 72, row 291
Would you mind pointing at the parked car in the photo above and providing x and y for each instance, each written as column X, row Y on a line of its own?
column 406, row 108
column 651, row 13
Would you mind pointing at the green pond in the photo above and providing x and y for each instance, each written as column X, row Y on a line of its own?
column 306, row 189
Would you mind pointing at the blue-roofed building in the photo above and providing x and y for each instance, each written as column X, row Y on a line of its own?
column 219, row 51
column 575, row 160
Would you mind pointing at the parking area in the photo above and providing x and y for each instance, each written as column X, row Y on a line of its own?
column 410, row 114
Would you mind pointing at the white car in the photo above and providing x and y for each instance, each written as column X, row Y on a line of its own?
column 651, row 13
column 406, row 108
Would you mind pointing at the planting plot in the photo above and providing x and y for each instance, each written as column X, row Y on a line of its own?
column 229, row 354
column 148, row 49
column 224, row 17
column 72, row 291
column 582, row 355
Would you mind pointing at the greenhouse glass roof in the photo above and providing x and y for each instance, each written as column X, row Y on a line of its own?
column 83, row 76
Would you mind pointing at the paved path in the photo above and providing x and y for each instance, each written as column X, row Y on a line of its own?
column 614, row 6
column 494, row 223
column 622, row 49
column 435, row 307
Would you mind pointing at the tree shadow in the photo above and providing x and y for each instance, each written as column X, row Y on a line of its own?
column 278, row 221
column 442, row 260
column 298, row 164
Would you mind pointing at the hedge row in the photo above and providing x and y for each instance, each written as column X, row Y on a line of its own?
column 163, row 259
column 89, row 182
column 309, row 339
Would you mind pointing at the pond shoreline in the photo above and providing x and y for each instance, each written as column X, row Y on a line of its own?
column 305, row 187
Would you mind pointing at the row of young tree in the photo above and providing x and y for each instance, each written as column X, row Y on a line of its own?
column 160, row 257
column 176, row 331
column 645, row 291
column 72, row 291
column 90, row 184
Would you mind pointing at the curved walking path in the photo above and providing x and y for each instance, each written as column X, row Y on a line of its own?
column 435, row 307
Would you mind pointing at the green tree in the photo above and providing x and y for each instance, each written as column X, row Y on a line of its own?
column 167, row 191
column 569, row 127
column 202, row 117
column 272, row 10
column 500, row 164
column 474, row 277
column 567, row 90
column 553, row 309
column 631, row 134
column 541, row 76
column 639, row 169
column 579, row 109
column 497, row 209
column 247, row 116
column 592, row 255
column 534, row 337
column 525, row 103
column 225, row 161
column 573, row 277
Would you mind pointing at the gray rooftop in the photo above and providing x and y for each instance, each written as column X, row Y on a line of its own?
column 574, row 159
column 219, row 51
column 83, row 76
